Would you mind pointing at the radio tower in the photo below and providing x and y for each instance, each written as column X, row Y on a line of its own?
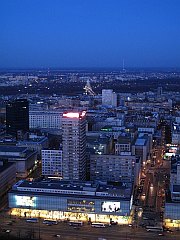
column 124, row 70
column 88, row 89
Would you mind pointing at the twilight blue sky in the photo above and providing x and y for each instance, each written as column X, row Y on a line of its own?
column 89, row 33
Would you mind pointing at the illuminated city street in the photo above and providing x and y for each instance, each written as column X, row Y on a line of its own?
column 86, row 232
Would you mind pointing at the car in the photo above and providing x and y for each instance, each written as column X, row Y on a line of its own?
column 6, row 230
column 76, row 227
column 57, row 235
column 161, row 234
column 9, row 223
column 113, row 223
column 142, row 224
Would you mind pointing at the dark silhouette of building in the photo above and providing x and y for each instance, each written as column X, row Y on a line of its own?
column 17, row 117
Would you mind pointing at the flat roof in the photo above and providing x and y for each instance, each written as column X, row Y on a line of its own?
column 140, row 142
column 86, row 188
column 176, row 188
column 12, row 149
column 5, row 166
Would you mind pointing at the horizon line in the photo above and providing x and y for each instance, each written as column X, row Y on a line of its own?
column 79, row 68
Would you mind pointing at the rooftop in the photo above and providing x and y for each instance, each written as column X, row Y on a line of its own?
column 12, row 149
column 176, row 188
column 5, row 166
column 140, row 142
column 63, row 187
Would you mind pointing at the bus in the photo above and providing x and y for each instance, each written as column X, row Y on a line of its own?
column 154, row 229
column 32, row 220
column 98, row 225
column 74, row 223
column 50, row 222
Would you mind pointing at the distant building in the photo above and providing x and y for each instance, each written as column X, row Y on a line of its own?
column 141, row 148
column 159, row 91
column 45, row 119
column 74, row 145
column 176, row 134
column 109, row 98
column 21, row 156
column 34, row 142
column 7, row 179
column 52, row 162
column 123, row 144
column 17, row 117
column 124, row 167
column 146, row 129
column 172, row 204
column 99, row 145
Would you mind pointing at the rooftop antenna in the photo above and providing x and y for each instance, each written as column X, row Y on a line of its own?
column 124, row 70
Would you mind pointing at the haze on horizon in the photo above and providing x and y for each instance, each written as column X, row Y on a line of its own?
column 89, row 33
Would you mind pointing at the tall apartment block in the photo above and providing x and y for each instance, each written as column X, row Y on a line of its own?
column 109, row 98
column 74, row 145
column 17, row 116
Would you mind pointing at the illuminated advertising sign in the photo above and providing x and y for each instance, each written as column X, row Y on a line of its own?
column 173, row 149
column 74, row 114
column 25, row 201
column 71, row 115
column 110, row 207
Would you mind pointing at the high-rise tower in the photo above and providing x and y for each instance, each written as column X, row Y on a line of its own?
column 17, row 116
column 109, row 98
column 74, row 145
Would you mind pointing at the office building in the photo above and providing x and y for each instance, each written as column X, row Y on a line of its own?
column 51, row 162
column 123, row 168
column 17, row 117
column 45, row 119
column 74, row 145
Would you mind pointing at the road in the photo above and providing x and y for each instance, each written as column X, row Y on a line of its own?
column 153, row 184
column 21, row 228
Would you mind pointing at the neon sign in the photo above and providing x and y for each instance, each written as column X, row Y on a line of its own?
column 74, row 114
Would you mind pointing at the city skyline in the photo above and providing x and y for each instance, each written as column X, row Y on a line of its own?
column 89, row 150
column 77, row 34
